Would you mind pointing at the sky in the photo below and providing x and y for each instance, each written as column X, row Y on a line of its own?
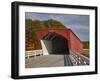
column 79, row 24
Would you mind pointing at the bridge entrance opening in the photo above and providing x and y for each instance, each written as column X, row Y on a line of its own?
column 53, row 43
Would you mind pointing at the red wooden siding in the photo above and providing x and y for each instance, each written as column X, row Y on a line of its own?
column 74, row 43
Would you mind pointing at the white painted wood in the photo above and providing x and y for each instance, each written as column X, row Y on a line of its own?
column 34, row 53
column 46, row 46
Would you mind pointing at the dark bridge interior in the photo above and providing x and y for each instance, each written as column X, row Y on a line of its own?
column 56, row 44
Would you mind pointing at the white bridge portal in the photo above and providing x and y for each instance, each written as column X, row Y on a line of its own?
column 46, row 46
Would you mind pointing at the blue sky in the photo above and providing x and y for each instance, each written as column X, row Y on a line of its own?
column 78, row 23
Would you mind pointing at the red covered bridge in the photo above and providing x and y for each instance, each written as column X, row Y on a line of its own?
column 58, row 41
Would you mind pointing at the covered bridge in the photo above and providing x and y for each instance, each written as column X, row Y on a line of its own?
column 58, row 41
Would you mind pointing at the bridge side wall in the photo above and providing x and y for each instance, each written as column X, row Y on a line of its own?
column 75, row 43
